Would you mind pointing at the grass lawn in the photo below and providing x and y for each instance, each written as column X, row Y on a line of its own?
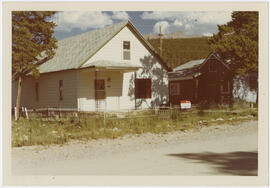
column 45, row 131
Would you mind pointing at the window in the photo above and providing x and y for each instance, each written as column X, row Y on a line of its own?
column 126, row 50
column 212, row 66
column 225, row 86
column 99, row 89
column 174, row 89
column 36, row 89
column 143, row 88
column 60, row 90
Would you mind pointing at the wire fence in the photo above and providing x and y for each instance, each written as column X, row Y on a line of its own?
column 52, row 113
column 67, row 113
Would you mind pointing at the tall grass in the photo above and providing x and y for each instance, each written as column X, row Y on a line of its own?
column 84, row 127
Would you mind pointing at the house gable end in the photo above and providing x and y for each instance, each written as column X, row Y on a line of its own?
column 113, row 48
column 213, row 56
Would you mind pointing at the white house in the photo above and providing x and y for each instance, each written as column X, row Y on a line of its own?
column 112, row 68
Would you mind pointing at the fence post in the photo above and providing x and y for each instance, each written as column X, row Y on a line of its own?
column 16, row 118
column 47, row 112
column 26, row 113
column 105, row 113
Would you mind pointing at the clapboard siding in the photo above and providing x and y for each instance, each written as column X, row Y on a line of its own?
column 79, row 88
column 113, row 91
column 48, row 91
column 113, row 51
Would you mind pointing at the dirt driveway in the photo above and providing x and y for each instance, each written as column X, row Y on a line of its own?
column 213, row 150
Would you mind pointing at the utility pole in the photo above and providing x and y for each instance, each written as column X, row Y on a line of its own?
column 160, row 41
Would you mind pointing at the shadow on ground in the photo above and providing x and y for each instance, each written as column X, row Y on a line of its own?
column 233, row 163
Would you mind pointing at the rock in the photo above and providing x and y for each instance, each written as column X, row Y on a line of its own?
column 219, row 119
column 120, row 115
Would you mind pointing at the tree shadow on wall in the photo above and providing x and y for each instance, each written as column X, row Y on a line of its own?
column 151, row 68
column 233, row 163
column 241, row 87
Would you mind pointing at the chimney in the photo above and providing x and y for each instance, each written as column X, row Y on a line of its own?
column 160, row 41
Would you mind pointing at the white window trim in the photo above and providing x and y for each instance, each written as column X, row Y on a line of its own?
column 225, row 92
column 123, row 50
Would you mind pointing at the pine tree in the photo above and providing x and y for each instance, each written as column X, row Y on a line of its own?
column 237, row 43
column 32, row 44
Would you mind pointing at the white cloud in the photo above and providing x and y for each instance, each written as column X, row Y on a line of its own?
column 69, row 20
column 120, row 15
column 188, row 26
column 177, row 23
column 157, row 15
column 207, row 34
column 209, row 17
column 213, row 17
column 164, row 27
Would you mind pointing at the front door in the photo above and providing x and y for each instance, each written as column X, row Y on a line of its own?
column 100, row 94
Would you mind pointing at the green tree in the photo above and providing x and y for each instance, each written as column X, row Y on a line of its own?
column 32, row 44
column 237, row 43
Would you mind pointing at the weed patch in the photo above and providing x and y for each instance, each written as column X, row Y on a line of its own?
column 85, row 127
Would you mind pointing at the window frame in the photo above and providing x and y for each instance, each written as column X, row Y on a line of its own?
column 140, row 93
column 222, row 88
column 126, row 50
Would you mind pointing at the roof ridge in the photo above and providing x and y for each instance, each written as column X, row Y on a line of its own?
column 94, row 30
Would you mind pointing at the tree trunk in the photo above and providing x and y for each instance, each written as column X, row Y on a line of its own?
column 18, row 101
column 257, row 96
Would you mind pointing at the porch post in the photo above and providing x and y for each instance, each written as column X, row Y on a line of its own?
column 95, row 77
column 135, row 76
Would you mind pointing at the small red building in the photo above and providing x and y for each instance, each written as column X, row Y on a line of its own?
column 207, row 79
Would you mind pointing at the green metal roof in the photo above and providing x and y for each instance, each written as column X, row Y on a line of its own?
column 74, row 51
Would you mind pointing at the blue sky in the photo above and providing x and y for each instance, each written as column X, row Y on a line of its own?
column 191, row 23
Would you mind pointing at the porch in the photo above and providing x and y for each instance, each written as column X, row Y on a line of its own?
column 104, row 86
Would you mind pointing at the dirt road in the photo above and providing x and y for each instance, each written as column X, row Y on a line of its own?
column 213, row 150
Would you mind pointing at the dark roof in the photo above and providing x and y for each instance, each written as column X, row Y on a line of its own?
column 188, row 65
column 192, row 69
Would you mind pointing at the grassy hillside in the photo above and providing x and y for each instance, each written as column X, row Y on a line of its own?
column 179, row 51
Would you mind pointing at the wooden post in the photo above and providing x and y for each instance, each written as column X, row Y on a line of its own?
column 18, row 100
column 135, row 75
column 26, row 113
column 160, row 41
column 105, row 114
column 15, row 114
column 96, row 100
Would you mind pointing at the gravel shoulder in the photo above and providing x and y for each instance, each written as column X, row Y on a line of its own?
column 229, row 149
